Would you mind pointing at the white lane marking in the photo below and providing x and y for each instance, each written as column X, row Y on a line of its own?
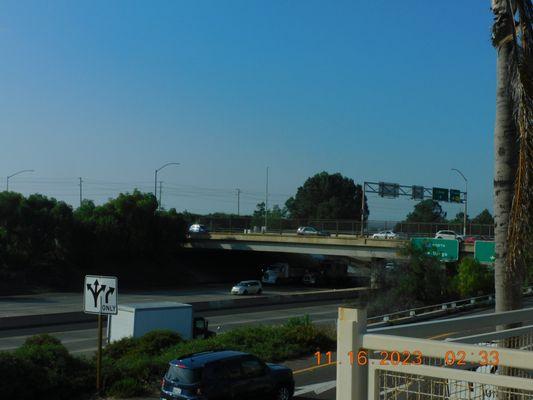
column 84, row 331
column 317, row 388
column 83, row 350
column 265, row 318
column 64, row 342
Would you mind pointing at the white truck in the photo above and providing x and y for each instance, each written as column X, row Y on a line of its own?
column 280, row 272
column 135, row 320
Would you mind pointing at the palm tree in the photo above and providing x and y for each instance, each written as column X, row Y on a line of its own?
column 512, row 36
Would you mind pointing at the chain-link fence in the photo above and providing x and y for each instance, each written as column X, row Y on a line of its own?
column 237, row 224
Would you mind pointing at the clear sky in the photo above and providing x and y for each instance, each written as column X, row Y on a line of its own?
column 381, row 90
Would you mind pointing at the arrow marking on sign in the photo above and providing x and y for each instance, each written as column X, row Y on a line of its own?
column 111, row 290
column 96, row 292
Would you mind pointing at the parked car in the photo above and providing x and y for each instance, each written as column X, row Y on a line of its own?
column 386, row 235
column 448, row 235
column 312, row 231
column 225, row 375
column 197, row 228
column 247, row 287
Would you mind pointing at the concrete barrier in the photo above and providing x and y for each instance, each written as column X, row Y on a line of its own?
column 28, row 321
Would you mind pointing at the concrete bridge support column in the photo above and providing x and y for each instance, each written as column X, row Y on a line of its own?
column 377, row 273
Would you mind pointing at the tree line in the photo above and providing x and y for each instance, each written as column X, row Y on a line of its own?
column 45, row 240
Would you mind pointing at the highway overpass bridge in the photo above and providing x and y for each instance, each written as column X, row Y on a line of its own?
column 355, row 247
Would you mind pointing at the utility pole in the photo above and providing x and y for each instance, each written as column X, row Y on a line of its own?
column 363, row 209
column 81, row 190
column 266, row 201
column 238, row 201
column 160, row 191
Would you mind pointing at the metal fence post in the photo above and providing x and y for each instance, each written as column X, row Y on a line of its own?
column 351, row 379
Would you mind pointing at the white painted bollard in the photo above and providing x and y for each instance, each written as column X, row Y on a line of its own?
column 351, row 379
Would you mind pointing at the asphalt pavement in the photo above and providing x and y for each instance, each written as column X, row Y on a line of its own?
column 80, row 338
column 49, row 303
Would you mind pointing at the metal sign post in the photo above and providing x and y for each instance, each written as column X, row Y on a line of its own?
column 100, row 295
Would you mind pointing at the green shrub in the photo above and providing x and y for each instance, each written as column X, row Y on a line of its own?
column 43, row 368
column 19, row 377
column 39, row 340
column 120, row 348
column 473, row 278
column 49, row 371
column 155, row 342
column 126, row 387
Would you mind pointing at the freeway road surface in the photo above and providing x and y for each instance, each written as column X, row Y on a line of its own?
column 49, row 303
column 80, row 338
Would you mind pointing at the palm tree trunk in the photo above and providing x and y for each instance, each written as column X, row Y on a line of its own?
column 508, row 290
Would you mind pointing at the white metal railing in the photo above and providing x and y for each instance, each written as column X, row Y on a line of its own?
column 400, row 362
column 413, row 314
column 428, row 382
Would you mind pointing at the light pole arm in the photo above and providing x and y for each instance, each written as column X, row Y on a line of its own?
column 155, row 176
column 16, row 173
column 20, row 172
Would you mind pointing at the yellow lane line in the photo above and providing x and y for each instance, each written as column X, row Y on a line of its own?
column 313, row 368
column 441, row 335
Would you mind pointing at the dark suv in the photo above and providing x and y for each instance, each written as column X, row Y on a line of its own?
column 225, row 375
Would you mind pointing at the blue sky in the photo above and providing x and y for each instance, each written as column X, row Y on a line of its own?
column 379, row 91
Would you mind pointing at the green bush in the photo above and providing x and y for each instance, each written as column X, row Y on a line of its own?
column 126, row 387
column 473, row 278
column 43, row 368
column 120, row 348
column 422, row 279
column 19, row 378
column 155, row 342
column 41, row 339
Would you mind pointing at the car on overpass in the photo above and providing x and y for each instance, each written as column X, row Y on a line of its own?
column 225, row 375
column 449, row 235
column 387, row 235
column 198, row 228
column 311, row 231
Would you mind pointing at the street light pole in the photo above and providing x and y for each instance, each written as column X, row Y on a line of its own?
column 16, row 173
column 155, row 178
column 266, row 201
column 238, row 201
column 466, row 199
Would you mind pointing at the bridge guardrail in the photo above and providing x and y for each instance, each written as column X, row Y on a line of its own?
column 420, row 313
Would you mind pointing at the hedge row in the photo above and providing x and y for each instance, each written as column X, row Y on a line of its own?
column 43, row 368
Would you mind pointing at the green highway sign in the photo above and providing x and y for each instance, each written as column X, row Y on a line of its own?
column 440, row 194
column 484, row 251
column 445, row 249
column 455, row 196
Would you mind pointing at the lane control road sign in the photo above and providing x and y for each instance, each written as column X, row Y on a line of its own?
column 100, row 295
